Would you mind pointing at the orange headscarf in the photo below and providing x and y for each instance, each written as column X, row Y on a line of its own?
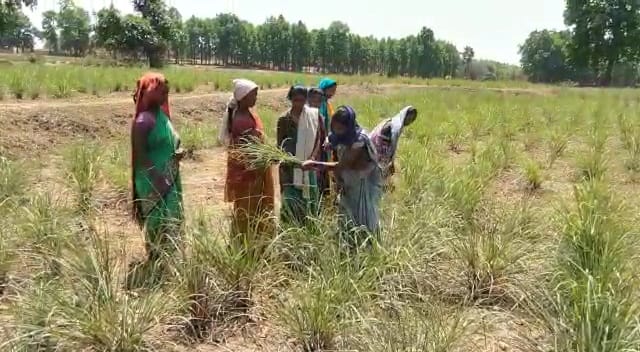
column 149, row 92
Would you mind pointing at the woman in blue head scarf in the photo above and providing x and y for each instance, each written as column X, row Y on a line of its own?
column 327, row 87
column 358, row 177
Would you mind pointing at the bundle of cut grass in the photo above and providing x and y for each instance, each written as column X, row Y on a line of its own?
column 257, row 155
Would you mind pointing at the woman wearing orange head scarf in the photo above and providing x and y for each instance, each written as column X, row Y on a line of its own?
column 252, row 192
column 157, row 190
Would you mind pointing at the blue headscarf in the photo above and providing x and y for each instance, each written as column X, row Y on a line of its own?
column 326, row 83
column 346, row 116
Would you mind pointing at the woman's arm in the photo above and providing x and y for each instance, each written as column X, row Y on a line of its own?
column 356, row 159
column 281, row 132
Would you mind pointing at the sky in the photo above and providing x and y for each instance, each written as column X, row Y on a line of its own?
column 493, row 28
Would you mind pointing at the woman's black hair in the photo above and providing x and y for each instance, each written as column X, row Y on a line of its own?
column 315, row 91
column 296, row 90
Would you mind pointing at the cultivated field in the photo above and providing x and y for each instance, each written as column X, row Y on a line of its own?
column 512, row 226
column 25, row 81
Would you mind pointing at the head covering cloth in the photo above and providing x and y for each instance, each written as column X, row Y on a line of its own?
column 150, row 89
column 345, row 115
column 241, row 88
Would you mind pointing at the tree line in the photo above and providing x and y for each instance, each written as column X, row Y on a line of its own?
column 158, row 33
column 600, row 47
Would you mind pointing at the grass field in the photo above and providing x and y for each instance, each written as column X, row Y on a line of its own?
column 34, row 81
column 512, row 227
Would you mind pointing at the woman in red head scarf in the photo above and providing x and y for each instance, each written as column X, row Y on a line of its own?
column 157, row 190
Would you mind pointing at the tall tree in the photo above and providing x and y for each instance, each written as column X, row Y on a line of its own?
column 50, row 31
column 450, row 58
column 467, row 57
column 429, row 59
column 247, row 48
column 138, row 36
column 544, row 56
column 18, row 32
column 338, row 45
column 74, row 25
column 178, row 37
column 156, row 13
column 9, row 9
column 300, row 46
column 228, row 33
column 604, row 32
column 276, row 41
column 319, row 50
column 108, row 29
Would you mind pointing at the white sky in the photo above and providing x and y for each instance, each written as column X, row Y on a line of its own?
column 494, row 28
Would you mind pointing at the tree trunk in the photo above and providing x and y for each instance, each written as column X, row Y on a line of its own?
column 155, row 58
column 608, row 73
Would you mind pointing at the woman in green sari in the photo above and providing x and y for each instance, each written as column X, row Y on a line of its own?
column 157, row 189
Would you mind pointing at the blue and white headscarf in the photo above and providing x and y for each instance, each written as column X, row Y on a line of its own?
column 346, row 116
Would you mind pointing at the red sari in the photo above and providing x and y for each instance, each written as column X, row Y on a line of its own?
column 252, row 192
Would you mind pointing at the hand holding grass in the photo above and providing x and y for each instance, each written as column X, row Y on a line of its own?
column 257, row 155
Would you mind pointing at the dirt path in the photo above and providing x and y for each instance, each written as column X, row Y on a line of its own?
column 113, row 99
column 37, row 127
column 125, row 98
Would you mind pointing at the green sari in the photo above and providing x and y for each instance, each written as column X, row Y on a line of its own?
column 161, row 217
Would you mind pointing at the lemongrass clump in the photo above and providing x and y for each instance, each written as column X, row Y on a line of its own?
column 257, row 155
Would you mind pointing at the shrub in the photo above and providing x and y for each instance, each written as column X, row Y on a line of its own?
column 532, row 174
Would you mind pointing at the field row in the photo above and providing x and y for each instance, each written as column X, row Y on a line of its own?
column 33, row 81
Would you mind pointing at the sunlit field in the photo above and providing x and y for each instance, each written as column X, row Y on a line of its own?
column 512, row 226
column 25, row 81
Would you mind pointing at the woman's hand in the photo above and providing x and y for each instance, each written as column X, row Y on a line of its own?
column 162, row 185
column 179, row 154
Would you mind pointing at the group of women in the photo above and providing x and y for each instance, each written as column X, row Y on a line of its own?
column 338, row 161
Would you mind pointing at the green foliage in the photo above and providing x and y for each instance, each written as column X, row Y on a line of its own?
column 16, row 30
column 605, row 33
column 116, row 165
column 532, row 173
column 195, row 137
column 43, row 227
column 85, row 307
column 595, row 290
column 82, row 173
column 468, row 260
column 12, row 180
column 278, row 44
column 544, row 56
column 600, row 47
column 74, row 26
